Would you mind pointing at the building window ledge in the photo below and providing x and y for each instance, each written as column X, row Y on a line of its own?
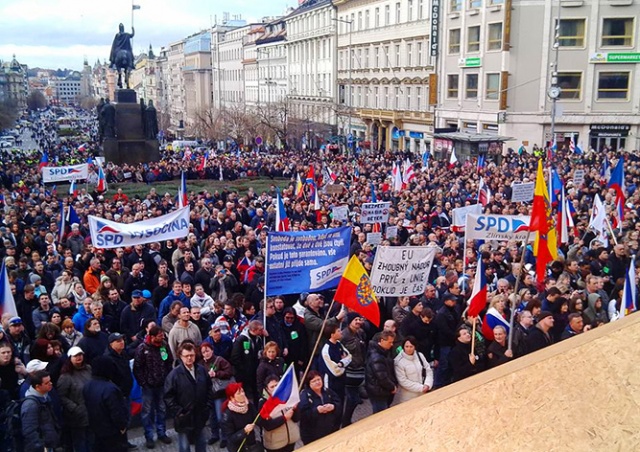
column 571, row 3
column 473, row 12
column 494, row 8
column 454, row 15
column 621, row 2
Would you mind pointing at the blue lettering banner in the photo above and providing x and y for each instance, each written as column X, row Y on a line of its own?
column 307, row 261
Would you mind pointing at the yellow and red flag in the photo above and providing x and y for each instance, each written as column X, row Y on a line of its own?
column 355, row 292
column 545, row 247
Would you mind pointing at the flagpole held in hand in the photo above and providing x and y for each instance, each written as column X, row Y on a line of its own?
column 315, row 346
column 473, row 336
column 515, row 293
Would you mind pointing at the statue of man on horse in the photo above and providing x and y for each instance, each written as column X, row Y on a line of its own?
column 121, row 57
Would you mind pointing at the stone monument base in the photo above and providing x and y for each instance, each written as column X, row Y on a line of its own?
column 130, row 146
column 131, row 152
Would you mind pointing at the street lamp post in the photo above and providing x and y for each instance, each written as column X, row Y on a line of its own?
column 555, row 90
column 349, row 106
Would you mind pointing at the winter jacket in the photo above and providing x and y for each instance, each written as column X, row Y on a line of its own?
column 70, row 386
column 121, row 376
column 93, row 344
column 413, row 373
column 446, row 325
column 332, row 363
column 149, row 367
column 496, row 355
column 188, row 398
column 459, row 362
column 296, row 342
column 73, row 339
column 40, row 428
column 221, row 348
column 537, row 339
column 106, row 406
column 232, row 426
column 266, row 368
column 62, row 289
column 380, row 379
column 91, row 280
column 223, row 370
column 245, row 359
column 180, row 333
column 131, row 319
column 80, row 318
column 314, row 425
column 205, row 304
column 165, row 304
column 114, row 312
column 277, row 432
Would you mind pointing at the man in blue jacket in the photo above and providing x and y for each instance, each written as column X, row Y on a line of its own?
column 40, row 428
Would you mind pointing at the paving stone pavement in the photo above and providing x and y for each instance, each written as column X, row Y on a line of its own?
column 136, row 434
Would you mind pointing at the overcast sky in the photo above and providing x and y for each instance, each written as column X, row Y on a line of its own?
column 60, row 33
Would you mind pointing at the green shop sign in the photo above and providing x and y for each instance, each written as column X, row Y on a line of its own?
column 470, row 62
column 615, row 58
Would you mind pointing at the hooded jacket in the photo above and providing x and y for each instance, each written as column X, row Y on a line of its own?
column 40, row 428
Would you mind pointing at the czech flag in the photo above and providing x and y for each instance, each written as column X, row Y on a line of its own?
column 73, row 189
column 82, row 147
column 102, row 181
column 605, row 170
column 311, row 182
column 285, row 396
column 183, row 200
column 478, row 299
column 332, row 175
column 62, row 225
column 44, row 161
column 484, row 194
column 425, row 160
column 629, row 304
column 492, row 319
column 482, row 161
column 355, row 291
column 7, row 302
column 282, row 222
column 616, row 182
column 453, row 159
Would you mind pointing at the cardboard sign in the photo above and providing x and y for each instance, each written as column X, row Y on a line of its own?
column 374, row 212
column 375, row 238
column 402, row 270
column 334, row 189
column 340, row 213
column 522, row 192
column 578, row 178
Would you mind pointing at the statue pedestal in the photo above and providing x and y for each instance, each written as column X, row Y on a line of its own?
column 131, row 145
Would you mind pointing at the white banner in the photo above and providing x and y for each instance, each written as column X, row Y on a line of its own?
column 374, row 212
column 375, row 238
column 498, row 227
column 109, row 234
column 578, row 178
column 460, row 215
column 340, row 213
column 63, row 173
column 402, row 270
column 392, row 231
column 522, row 192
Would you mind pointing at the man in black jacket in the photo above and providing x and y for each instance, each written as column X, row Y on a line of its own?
column 446, row 323
column 121, row 375
column 380, row 378
column 462, row 362
column 107, row 409
column 540, row 336
column 187, row 393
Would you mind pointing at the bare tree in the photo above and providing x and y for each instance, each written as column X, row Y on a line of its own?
column 8, row 114
column 207, row 123
column 236, row 122
column 36, row 100
column 87, row 102
column 275, row 118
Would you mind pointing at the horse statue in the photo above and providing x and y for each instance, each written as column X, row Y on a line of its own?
column 121, row 57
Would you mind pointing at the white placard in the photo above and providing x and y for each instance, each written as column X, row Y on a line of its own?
column 459, row 215
column 109, row 234
column 374, row 212
column 340, row 213
column 522, row 192
column 578, row 178
column 402, row 270
column 392, row 231
column 64, row 173
column 375, row 238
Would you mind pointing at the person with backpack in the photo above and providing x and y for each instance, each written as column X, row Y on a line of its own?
column 40, row 427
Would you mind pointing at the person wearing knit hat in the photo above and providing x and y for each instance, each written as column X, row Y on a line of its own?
column 540, row 335
column 238, row 415
column 351, row 316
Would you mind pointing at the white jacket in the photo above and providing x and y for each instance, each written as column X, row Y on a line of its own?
column 409, row 374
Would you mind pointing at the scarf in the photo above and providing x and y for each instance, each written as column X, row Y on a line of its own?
column 239, row 408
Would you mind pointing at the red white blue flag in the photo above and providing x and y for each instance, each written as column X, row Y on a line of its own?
column 282, row 222
column 183, row 200
column 285, row 396
column 7, row 302
column 478, row 299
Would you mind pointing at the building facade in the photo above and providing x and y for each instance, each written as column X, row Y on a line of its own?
column 311, row 70
column 14, row 83
column 496, row 68
column 383, row 73
column 197, row 81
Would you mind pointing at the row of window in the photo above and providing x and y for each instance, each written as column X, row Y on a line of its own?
column 385, row 98
column 415, row 10
column 616, row 32
column 614, row 85
column 406, row 54
column 493, row 39
column 456, row 5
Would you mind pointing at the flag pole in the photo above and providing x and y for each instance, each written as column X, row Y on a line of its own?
column 473, row 336
column 515, row 292
column 264, row 300
column 613, row 236
column 315, row 347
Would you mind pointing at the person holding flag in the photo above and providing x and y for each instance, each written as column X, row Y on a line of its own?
column 545, row 246
column 239, row 420
column 279, row 413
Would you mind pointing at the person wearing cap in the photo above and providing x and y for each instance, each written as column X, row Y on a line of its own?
column 74, row 376
column 133, row 314
column 19, row 339
column 187, row 392
column 106, row 408
column 540, row 335
column 40, row 426
column 151, row 365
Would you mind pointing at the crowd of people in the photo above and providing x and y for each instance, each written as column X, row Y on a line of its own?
column 183, row 330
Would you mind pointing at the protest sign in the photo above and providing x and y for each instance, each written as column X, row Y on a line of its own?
column 402, row 271
column 375, row 238
column 374, row 212
column 306, row 261
column 498, row 227
column 392, row 231
column 578, row 178
column 460, row 215
column 340, row 213
column 64, row 173
column 522, row 192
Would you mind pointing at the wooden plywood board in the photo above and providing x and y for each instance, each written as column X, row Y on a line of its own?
column 580, row 394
